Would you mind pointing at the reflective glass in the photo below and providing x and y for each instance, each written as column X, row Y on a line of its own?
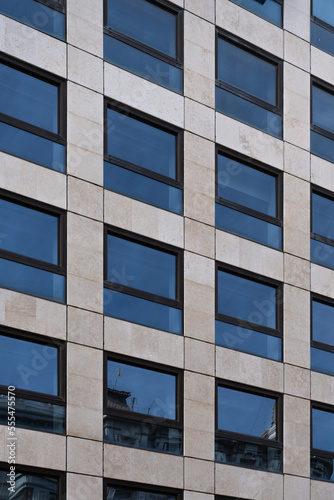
column 142, row 311
column 322, row 254
column 322, row 468
column 36, row 15
column 249, row 227
column 245, row 71
column 251, row 341
column 28, row 486
column 323, row 323
column 145, row 22
column 141, row 390
column 322, row 216
column 322, row 430
column 141, row 144
column 124, row 181
column 322, row 109
column 32, row 147
column 248, row 112
column 246, row 413
column 146, row 434
column 322, row 38
column 322, row 146
column 124, row 493
column 322, row 361
column 142, row 64
column 246, row 186
column 269, row 10
column 35, row 415
column 28, row 232
column 141, row 267
column 28, row 365
column 29, row 99
column 324, row 10
column 27, row 279
column 246, row 299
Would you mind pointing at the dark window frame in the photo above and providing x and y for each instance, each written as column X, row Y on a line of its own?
column 59, row 5
column 320, row 22
column 260, row 53
column 140, row 486
column 62, row 237
column 155, row 122
column 315, row 343
column 326, row 87
column 261, row 167
column 46, row 76
column 315, row 236
column 316, row 451
column 169, row 7
column 242, row 273
column 280, row 2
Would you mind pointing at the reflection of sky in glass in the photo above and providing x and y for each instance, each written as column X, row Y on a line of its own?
column 323, row 216
column 120, row 493
column 323, row 322
column 152, row 392
column 322, row 106
column 322, row 430
column 324, row 9
column 246, row 413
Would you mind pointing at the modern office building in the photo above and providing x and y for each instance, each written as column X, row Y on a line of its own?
column 167, row 249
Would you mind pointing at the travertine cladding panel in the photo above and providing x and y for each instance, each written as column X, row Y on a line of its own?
column 85, row 25
column 296, row 487
column 296, row 51
column 199, row 475
column 202, row 8
column 84, row 456
column 85, row 199
column 322, row 173
column 296, row 106
column 322, row 388
column 296, row 432
column 321, row 490
column 296, row 317
column 297, row 161
column 297, row 381
column 297, row 18
column 322, row 280
column 85, row 327
column 322, row 65
column 297, row 271
column 85, row 69
column 82, row 487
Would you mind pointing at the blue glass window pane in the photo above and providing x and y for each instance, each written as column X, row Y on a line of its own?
column 141, row 144
column 245, row 340
column 28, row 365
column 145, row 22
column 322, row 361
column 322, row 430
column 28, row 98
column 322, row 468
column 269, row 10
column 142, row 64
column 141, row 390
column 322, row 254
column 247, row 226
column 246, row 413
column 322, row 38
column 323, row 323
column 34, row 415
column 28, row 232
column 142, row 311
column 141, row 267
column 246, row 186
column 322, row 146
column 36, row 15
column 322, row 109
column 31, row 280
column 32, row 147
column 248, row 112
column 142, row 188
column 123, row 493
column 322, row 216
column 324, row 10
column 245, row 71
column 246, row 299
column 29, row 486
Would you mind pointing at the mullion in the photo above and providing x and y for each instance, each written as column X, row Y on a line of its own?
column 246, row 438
column 248, row 211
column 247, row 325
column 29, row 261
column 136, row 292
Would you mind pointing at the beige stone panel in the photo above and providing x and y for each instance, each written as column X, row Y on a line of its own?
column 246, row 254
column 296, row 317
column 199, row 119
column 84, row 134
column 296, row 487
column 32, row 46
column 85, row 26
column 296, row 161
column 179, row 3
column 33, row 448
column 199, row 475
column 296, row 432
column 80, row 487
column 199, row 311
column 85, row 198
column 322, row 280
column 142, row 342
column 84, row 293
column 322, row 388
column 195, row 495
column 297, row 381
column 202, row 8
column 296, row 51
column 199, row 269
column 247, row 369
column 322, row 65
column 296, row 216
column 199, row 388
column 297, row 272
column 201, row 33
column 199, row 206
column 146, row 96
column 28, row 179
column 247, row 483
column 130, row 464
column 199, row 357
column 85, row 327
column 249, row 141
column 84, row 103
column 201, row 152
column 322, row 172
column 199, row 444
column 297, row 88
column 85, row 164
column 199, row 416
column 297, row 18
column 143, row 219
column 296, row 131
column 84, row 456
column 84, row 422
column 321, row 490
column 199, row 238
column 85, row 69
column 199, row 88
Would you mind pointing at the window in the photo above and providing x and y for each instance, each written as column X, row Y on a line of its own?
column 322, row 447
column 322, row 230
column 143, row 281
column 249, row 84
column 322, row 120
column 322, row 342
column 44, row 15
column 142, row 406
column 34, row 365
column 143, row 158
column 322, row 25
column 248, row 199
column 32, row 247
column 249, row 428
column 145, row 37
column 118, row 490
column 248, row 313
column 32, row 114
column 271, row 10
column 31, row 483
